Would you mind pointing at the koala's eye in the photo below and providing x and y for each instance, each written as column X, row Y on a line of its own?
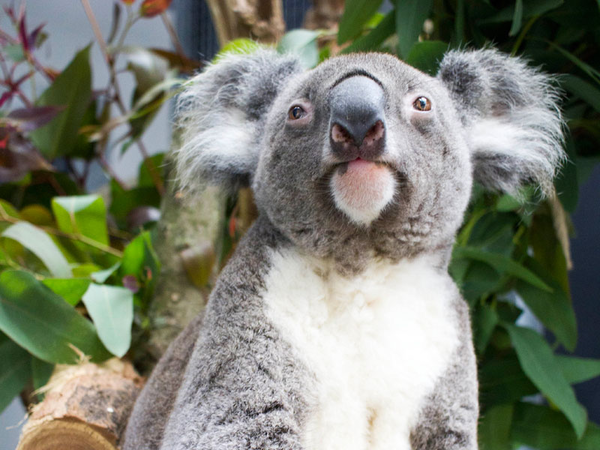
column 296, row 112
column 422, row 104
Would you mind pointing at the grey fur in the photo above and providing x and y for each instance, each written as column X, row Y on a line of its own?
column 242, row 387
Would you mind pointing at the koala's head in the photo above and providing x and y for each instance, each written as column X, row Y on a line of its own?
column 365, row 155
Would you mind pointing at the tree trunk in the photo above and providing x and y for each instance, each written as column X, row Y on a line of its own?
column 86, row 408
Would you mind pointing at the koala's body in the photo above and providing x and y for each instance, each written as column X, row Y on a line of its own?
column 335, row 325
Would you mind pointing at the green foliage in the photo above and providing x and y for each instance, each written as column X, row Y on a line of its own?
column 514, row 247
column 77, row 269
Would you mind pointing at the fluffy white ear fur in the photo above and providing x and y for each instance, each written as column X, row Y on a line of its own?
column 221, row 115
column 513, row 123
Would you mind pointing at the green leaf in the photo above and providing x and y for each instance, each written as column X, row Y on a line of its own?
column 101, row 276
column 529, row 9
column 82, row 214
column 494, row 428
column 375, row 38
column 552, row 308
column 503, row 381
column 517, row 18
column 356, row 14
column 582, row 89
column 43, row 323
column 542, row 428
column 41, row 372
column 410, row 16
column 485, row 320
column 14, row 371
column 586, row 68
column 577, row 370
column 40, row 244
column 501, row 264
column 71, row 289
column 540, row 365
column 111, row 309
column 304, row 44
column 71, row 89
column 427, row 55
column 241, row 46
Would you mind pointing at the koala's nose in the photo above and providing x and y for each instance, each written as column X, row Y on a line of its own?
column 357, row 118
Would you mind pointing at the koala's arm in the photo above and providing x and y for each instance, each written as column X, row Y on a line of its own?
column 448, row 419
column 147, row 422
column 243, row 388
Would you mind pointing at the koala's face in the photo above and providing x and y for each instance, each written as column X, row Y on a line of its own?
column 367, row 153
column 364, row 155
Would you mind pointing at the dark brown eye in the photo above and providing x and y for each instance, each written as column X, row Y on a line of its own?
column 422, row 104
column 296, row 112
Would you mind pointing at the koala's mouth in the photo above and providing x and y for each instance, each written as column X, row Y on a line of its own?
column 362, row 189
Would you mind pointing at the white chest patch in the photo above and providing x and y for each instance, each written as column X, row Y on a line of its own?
column 376, row 345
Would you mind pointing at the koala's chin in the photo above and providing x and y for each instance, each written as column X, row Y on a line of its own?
column 362, row 189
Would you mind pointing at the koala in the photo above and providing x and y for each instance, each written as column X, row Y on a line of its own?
column 335, row 325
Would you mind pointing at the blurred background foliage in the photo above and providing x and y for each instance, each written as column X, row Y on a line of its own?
column 79, row 268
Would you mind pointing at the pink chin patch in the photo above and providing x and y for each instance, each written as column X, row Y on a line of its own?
column 363, row 190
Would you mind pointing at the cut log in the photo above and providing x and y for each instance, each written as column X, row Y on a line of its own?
column 85, row 408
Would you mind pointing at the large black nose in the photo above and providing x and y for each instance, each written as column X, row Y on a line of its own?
column 357, row 125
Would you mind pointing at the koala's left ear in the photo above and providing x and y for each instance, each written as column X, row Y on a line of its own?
column 222, row 115
column 510, row 111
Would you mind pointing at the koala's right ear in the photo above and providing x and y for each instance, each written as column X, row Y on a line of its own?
column 222, row 114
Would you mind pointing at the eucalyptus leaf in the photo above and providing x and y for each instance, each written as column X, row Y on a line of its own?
column 41, row 372
column 72, row 89
column 43, row 323
column 540, row 365
column 71, row 289
column 410, row 17
column 552, row 308
column 376, row 37
column 83, row 214
column 303, row 43
column 14, row 371
column 577, row 370
column 502, row 264
column 111, row 309
column 544, row 429
column 494, row 428
column 40, row 244
column 356, row 14
column 517, row 18
column 427, row 55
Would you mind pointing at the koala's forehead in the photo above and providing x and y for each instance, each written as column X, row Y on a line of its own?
column 387, row 69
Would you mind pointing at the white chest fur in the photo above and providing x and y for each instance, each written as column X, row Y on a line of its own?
column 376, row 345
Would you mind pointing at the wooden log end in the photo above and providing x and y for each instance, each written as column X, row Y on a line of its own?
column 86, row 407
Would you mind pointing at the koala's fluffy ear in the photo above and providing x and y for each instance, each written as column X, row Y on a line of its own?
column 222, row 115
column 510, row 110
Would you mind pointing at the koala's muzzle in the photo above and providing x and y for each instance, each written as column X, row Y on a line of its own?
column 357, row 126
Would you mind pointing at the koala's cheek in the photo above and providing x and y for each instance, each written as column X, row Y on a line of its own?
column 362, row 190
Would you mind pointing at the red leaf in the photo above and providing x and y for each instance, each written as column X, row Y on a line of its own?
column 151, row 8
column 28, row 119
column 127, row 2
column 23, row 34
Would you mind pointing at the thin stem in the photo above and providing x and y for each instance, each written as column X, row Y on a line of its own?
column 522, row 35
column 96, row 28
column 104, row 163
column 117, row 94
column 173, row 35
column 154, row 174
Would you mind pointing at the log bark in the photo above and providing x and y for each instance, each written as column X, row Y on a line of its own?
column 85, row 408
